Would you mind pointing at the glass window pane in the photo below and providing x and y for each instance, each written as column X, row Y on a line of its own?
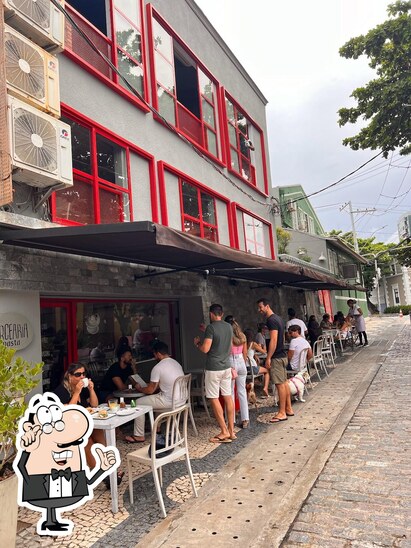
column 132, row 72
column 212, row 143
column 234, row 160
column 192, row 227
column 166, row 105
column 246, row 169
column 128, row 38
column 245, row 149
column 210, row 233
column 206, row 86
column 111, row 161
column 130, row 10
column 76, row 203
column 233, row 135
column 242, row 123
column 208, row 114
column 164, row 73
column 162, row 41
column 111, row 207
column 230, row 111
column 54, row 345
column 208, row 210
column 80, row 146
column 190, row 200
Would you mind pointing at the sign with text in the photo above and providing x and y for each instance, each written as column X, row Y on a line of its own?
column 15, row 330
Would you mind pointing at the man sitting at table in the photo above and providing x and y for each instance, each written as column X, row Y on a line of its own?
column 163, row 376
column 117, row 376
column 297, row 344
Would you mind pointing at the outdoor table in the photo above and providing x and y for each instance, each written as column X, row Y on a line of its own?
column 109, row 426
column 130, row 394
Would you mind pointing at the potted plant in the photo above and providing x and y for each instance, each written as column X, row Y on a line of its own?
column 17, row 378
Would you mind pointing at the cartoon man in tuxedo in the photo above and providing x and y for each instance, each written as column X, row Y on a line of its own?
column 50, row 461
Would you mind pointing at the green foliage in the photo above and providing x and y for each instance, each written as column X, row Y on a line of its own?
column 17, row 378
column 283, row 239
column 406, row 309
column 403, row 254
column 385, row 101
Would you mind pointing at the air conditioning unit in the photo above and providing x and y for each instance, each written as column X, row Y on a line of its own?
column 39, row 20
column 31, row 73
column 40, row 146
column 349, row 271
column 290, row 206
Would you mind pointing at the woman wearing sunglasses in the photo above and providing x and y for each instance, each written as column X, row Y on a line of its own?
column 78, row 389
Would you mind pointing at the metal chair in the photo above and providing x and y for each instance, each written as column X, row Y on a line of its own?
column 317, row 359
column 181, row 394
column 199, row 392
column 175, row 425
column 327, row 351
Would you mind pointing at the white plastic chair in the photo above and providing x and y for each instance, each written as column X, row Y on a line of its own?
column 317, row 359
column 327, row 351
column 199, row 392
column 181, row 394
column 175, row 425
column 303, row 367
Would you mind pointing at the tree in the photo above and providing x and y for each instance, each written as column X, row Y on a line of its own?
column 283, row 239
column 385, row 102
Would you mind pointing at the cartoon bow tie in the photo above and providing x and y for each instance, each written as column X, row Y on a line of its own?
column 61, row 473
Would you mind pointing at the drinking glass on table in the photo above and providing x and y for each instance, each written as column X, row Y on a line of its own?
column 113, row 404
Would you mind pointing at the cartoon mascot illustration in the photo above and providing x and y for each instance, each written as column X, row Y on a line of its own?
column 51, row 463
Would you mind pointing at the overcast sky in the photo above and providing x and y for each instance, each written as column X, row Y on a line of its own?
column 291, row 49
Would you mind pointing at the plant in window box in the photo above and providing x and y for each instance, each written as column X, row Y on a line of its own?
column 17, row 378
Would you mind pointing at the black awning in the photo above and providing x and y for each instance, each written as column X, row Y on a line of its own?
column 159, row 246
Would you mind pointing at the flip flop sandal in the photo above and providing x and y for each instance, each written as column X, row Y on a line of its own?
column 132, row 439
column 275, row 420
column 217, row 439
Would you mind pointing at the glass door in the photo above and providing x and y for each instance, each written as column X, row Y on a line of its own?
column 56, row 341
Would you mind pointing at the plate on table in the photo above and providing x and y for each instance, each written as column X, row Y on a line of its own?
column 126, row 411
column 92, row 410
column 97, row 416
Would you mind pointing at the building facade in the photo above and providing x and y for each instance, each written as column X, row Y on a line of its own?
column 156, row 124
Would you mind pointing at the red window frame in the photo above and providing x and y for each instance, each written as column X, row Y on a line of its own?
column 98, row 182
column 235, row 207
column 180, row 111
column 111, row 47
column 200, row 222
column 225, row 96
column 162, row 168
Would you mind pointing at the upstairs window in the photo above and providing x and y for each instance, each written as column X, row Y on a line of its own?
column 115, row 27
column 184, row 94
column 254, row 236
column 198, row 212
column 101, row 191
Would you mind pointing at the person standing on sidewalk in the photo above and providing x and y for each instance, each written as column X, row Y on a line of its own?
column 276, row 361
column 356, row 313
column 216, row 344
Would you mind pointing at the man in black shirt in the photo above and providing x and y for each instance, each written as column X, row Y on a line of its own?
column 276, row 361
column 116, row 377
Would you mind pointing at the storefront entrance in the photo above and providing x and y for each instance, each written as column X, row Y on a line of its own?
column 88, row 331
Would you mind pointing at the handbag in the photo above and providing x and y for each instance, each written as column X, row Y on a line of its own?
column 251, row 364
column 234, row 373
column 160, row 444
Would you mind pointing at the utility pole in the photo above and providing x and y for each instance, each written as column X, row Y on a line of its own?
column 351, row 212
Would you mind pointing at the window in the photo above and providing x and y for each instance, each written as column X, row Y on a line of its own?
column 100, row 193
column 254, row 236
column 198, row 212
column 241, row 146
column 115, row 27
column 184, row 94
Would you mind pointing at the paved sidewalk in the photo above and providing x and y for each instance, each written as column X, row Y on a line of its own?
column 363, row 496
column 251, row 490
column 255, row 498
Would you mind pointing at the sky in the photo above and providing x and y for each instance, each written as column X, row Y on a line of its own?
column 290, row 49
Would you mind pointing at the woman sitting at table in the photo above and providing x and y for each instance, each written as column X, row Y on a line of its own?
column 78, row 389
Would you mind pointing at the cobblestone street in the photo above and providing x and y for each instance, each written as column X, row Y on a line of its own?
column 363, row 496
column 336, row 474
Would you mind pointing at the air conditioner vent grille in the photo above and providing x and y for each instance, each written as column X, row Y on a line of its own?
column 35, row 140
column 24, row 67
column 37, row 11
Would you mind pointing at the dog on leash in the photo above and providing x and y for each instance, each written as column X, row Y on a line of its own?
column 297, row 384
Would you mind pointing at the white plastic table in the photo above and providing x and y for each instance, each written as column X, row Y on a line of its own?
column 109, row 426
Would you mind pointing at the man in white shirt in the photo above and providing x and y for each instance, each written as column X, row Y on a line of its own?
column 297, row 344
column 162, row 376
column 295, row 321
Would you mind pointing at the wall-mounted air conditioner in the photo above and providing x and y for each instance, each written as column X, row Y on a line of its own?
column 31, row 73
column 40, row 146
column 39, row 20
